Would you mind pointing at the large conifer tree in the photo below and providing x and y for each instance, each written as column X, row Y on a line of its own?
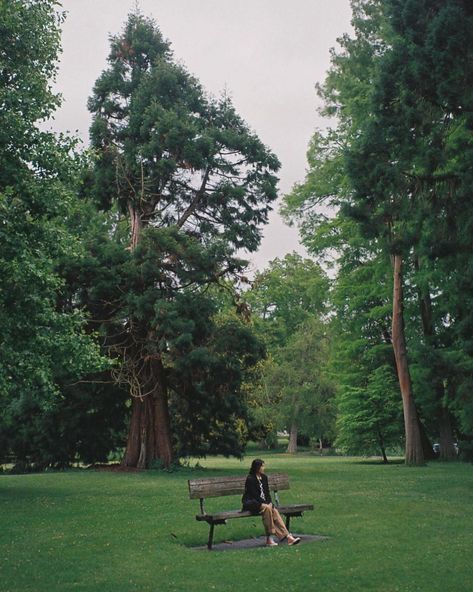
column 194, row 185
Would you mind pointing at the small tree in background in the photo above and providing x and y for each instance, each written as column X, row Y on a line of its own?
column 300, row 379
column 369, row 419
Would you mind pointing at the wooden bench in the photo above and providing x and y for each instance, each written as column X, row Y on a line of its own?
column 220, row 486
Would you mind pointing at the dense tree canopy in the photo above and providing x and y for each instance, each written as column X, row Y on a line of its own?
column 43, row 347
column 288, row 301
column 392, row 170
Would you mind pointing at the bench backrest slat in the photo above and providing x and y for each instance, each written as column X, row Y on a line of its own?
column 220, row 486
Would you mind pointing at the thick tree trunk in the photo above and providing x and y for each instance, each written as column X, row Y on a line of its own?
column 414, row 452
column 162, row 420
column 149, row 434
column 427, row 447
column 136, row 222
column 292, row 446
column 141, row 446
column 447, row 448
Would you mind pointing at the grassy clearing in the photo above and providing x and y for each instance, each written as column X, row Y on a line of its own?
column 391, row 528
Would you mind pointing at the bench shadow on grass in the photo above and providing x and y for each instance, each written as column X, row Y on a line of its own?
column 256, row 543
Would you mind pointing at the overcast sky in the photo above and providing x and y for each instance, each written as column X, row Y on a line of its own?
column 268, row 54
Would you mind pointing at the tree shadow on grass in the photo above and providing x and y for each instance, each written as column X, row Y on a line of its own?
column 379, row 462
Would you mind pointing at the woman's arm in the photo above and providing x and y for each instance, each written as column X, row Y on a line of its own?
column 251, row 497
column 252, row 488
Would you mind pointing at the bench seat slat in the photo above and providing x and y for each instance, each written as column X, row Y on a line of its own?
column 288, row 510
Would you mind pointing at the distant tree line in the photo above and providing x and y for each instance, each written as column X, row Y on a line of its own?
column 128, row 325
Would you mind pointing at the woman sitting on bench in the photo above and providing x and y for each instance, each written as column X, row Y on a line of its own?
column 257, row 499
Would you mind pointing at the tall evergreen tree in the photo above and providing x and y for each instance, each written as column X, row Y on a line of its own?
column 194, row 184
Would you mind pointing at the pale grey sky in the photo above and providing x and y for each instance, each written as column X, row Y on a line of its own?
column 268, row 54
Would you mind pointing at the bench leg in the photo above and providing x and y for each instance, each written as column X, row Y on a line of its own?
column 288, row 521
column 211, row 537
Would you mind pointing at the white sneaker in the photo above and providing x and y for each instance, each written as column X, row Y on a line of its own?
column 291, row 540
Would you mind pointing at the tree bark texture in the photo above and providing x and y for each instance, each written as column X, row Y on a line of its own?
column 136, row 223
column 414, row 453
column 149, row 434
column 447, row 448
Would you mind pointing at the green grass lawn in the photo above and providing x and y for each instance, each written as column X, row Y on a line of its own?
column 391, row 528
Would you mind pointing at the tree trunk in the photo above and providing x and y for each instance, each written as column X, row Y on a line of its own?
column 447, row 449
column 141, row 447
column 414, row 452
column 382, row 446
column 149, row 434
column 136, row 222
column 427, row 447
column 162, row 418
column 292, row 446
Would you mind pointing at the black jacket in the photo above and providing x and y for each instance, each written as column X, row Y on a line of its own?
column 252, row 499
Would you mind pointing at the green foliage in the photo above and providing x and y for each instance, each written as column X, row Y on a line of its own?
column 287, row 293
column 208, row 404
column 370, row 418
column 191, row 184
column 43, row 346
column 301, row 384
column 286, row 299
column 175, row 154
column 392, row 172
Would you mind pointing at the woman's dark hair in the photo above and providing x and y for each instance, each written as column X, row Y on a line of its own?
column 255, row 466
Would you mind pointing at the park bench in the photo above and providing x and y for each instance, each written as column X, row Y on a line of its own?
column 220, row 486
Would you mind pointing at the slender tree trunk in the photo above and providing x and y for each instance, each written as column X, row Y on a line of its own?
column 292, row 446
column 382, row 446
column 414, row 452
